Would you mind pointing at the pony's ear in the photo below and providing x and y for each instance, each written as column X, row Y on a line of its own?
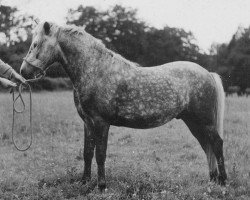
column 46, row 28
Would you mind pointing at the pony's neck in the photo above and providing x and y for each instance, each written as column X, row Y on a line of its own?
column 87, row 57
column 82, row 53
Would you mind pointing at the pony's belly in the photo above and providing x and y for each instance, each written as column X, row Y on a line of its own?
column 146, row 114
column 141, row 122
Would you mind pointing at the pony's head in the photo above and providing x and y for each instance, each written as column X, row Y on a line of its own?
column 44, row 51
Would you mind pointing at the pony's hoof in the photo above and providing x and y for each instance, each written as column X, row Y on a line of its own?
column 214, row 176
column 222, row 180
column 102, row 185
column 85, row 179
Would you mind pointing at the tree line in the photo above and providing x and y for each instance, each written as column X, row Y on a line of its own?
column 123, row 32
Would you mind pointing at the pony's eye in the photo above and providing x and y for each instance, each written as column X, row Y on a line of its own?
column 35, row 45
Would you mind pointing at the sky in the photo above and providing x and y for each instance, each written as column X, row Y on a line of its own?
column 211, row 21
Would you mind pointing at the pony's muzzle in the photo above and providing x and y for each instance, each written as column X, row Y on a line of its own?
column 26, row 70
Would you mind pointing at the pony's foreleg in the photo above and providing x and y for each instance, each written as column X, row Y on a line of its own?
column 89, row 145
column 101, row 133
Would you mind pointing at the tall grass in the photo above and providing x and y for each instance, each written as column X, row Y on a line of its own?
column 160, row 163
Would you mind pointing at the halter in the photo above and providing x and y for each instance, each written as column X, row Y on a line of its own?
column 37, row 63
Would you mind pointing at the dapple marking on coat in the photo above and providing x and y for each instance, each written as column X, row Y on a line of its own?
column 110, row 90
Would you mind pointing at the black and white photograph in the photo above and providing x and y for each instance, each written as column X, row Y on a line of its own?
column 124, row 99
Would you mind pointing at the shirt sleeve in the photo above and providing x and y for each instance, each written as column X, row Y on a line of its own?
column 5, row 70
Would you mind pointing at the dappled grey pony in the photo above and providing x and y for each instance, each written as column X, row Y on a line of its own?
column 110, row 90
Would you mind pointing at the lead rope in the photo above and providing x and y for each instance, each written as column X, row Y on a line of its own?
column 15, row 110
column 19, row 96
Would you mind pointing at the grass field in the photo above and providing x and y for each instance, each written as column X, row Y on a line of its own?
column 161, row 163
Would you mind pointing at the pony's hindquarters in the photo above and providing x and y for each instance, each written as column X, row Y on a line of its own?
column 220, row 103
column 204, row 118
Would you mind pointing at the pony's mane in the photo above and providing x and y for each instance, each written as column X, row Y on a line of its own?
column 72, row 30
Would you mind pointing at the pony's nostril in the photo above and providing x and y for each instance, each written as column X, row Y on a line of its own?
column 24, row 74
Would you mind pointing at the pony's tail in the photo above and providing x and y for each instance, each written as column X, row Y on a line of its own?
column 220, row 103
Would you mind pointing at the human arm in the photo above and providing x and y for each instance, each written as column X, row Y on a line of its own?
column 8, row 72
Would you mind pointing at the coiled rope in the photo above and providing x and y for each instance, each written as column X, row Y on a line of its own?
column 17, row 98
column 21, row 110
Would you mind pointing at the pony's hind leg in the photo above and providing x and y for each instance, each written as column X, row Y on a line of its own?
column 199, row 132
column 217, row 147
column 213, row 172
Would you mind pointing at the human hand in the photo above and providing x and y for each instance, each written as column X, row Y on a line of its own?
column 6, row 83
column 17, row 78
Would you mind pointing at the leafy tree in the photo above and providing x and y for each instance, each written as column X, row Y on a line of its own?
column 117, row 27
column 16, row 29
column 7, row 22
column 123, row 32
column 169, row 44
column 235, row 57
